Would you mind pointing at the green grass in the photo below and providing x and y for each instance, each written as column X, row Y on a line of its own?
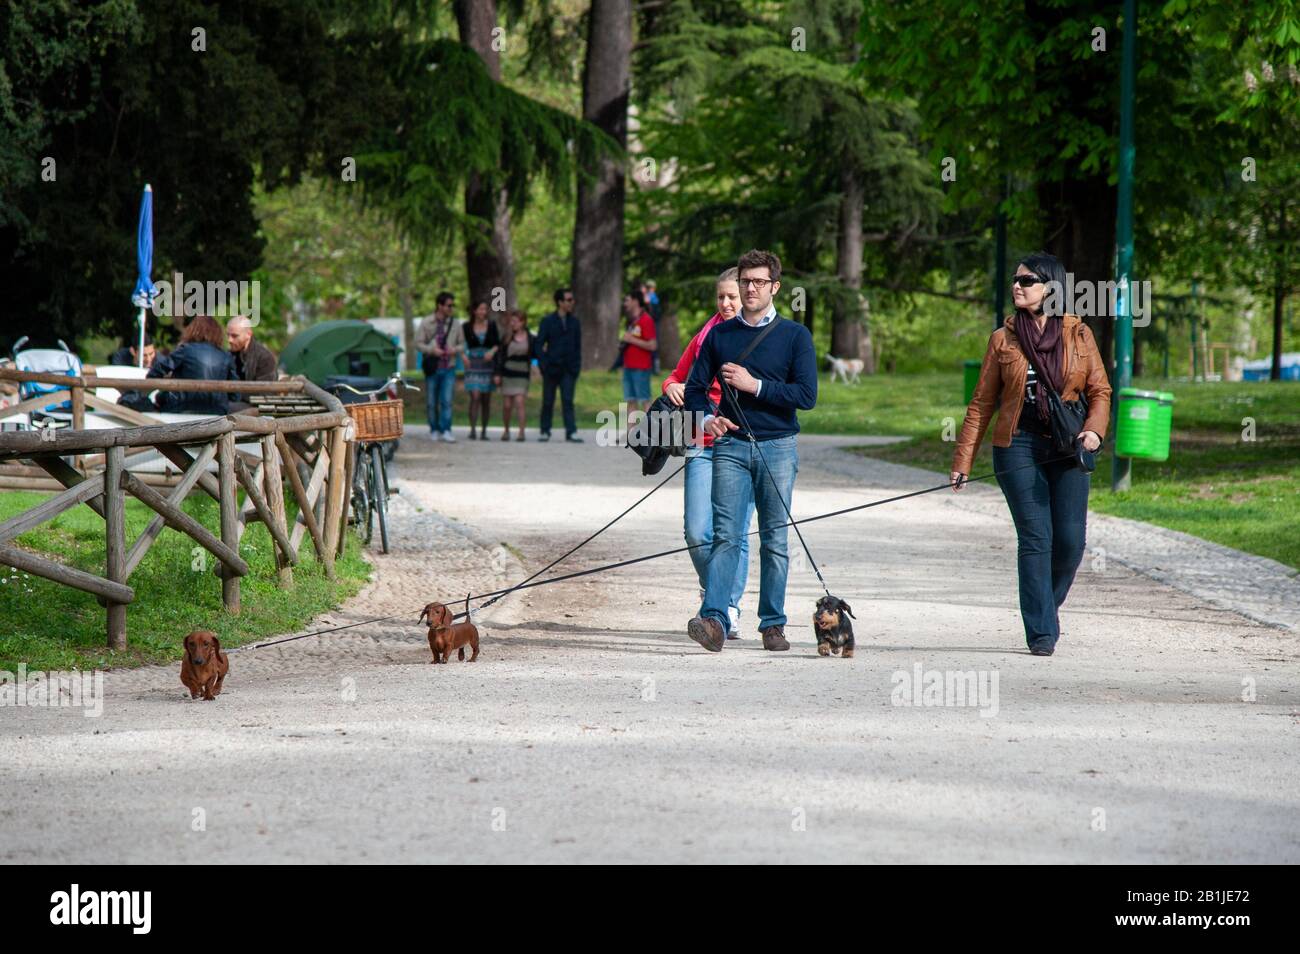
column 49, row 626
column 1215, row 485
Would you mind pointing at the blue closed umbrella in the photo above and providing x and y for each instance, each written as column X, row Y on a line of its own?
column 142, row 297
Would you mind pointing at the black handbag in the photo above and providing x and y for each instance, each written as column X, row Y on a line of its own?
column 661, row 434
column 670, row 432
column 1065, row 419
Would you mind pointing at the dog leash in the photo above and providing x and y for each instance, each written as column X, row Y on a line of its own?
column 821, row 516
column 586, row 541
column 731, row 393
column 531, row 582
column 498, row 595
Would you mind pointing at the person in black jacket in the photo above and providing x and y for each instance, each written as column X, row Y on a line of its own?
column 198, row 357
column 513, row 370
column 482, row 341
column 126, row 355
column 558, row 349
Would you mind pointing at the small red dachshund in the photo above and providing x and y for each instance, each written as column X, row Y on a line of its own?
column 444, row 635
column 205, row 666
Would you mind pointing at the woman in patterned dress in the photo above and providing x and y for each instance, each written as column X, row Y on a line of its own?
column 481, row 342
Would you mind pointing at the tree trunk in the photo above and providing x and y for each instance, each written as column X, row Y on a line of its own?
column 850, row 332
column 670, row 340
column 1080, row 231
column 489, row 258
column 598, row 226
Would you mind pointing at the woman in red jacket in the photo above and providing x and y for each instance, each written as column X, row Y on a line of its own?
column 699, row 458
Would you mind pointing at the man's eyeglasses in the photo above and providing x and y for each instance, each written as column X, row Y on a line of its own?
column 759, row 283
column 1024, row 281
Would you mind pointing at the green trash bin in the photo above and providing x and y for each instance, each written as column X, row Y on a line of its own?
column 1166, row 409
column 1143, row 422
column 972, row 378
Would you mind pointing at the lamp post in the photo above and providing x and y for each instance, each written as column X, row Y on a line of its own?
column 1122, row 468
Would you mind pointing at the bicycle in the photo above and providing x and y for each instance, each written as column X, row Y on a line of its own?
column 378, row 423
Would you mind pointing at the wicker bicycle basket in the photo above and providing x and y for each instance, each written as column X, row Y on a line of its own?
column 377, row 420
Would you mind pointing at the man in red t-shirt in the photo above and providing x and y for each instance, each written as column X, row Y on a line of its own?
column 638, row 358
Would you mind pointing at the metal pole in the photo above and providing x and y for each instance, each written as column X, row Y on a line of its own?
column 1169, row 331
column 1194, row 372
column 1122, row 469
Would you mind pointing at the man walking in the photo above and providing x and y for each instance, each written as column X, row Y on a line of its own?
column 558, row 348
column 439, row 338
column 777, row 377
column 655, row 311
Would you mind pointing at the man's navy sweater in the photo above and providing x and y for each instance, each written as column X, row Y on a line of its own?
column 784, row 361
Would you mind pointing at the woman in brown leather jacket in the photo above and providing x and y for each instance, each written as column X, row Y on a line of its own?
column 1048, row 497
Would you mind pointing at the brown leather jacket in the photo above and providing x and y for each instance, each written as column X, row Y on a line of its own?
column 1001, row 387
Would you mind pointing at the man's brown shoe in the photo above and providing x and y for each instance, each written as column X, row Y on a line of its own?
column 774, row 639
column 708, row 632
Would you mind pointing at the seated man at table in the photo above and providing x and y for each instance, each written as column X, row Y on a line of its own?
column 198, row 357
column 128, row 355
column 253, row 360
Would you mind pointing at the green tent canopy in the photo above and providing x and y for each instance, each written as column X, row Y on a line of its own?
column 351, row 347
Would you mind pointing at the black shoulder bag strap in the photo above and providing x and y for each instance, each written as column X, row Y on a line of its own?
column 1066, row 417
column 776, row 319
column 726, row 389
column 654, row 453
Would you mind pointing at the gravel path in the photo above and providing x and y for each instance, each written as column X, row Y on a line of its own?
column 591, row 729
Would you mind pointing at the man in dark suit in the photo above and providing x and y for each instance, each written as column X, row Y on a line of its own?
column 558, row 349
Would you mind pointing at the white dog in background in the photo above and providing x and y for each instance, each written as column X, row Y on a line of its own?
column 848, row 370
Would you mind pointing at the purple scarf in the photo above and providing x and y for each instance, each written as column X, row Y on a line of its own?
column 1045, row 348
column 441, row 329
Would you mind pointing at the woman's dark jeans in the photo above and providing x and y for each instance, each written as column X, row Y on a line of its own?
column 1049, row 505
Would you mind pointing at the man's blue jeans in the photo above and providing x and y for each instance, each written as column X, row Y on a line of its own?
column 1049, row 506
column 699, row 523
column 739, row 482
column 438, row 388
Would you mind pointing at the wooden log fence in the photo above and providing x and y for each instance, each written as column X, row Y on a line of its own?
column 305, row 442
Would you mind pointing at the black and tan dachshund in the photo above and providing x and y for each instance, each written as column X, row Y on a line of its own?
column 832, row 626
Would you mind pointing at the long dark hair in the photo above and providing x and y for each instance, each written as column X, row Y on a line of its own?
column 1049, row 269
column 203, row 328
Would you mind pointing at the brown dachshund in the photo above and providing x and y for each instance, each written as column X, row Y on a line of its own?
column 436, row 614
column 205, row 666
column 444, row 635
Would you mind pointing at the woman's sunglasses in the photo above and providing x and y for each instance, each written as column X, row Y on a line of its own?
column 1024, row 281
